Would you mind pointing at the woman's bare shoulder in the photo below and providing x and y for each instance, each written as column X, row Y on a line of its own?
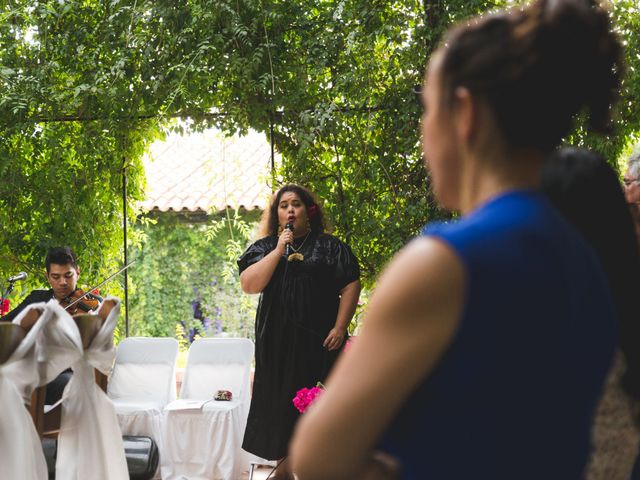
column 423, row 276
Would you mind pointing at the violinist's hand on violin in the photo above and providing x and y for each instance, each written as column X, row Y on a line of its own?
column 79, row 302
column 105, row 309
column 30, row 319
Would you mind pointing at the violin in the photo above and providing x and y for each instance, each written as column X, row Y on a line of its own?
column 80, row 301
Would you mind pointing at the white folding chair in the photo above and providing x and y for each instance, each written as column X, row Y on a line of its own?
column 142, row 383
column 202, row 436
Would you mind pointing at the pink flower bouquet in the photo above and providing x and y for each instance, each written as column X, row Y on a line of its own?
column 306, row 396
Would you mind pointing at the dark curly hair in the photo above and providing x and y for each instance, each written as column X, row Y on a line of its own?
column 60, row 256
column 537, row 67
column 269, row 223
column 586, row 190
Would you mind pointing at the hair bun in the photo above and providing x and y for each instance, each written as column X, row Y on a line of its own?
column 576, row 36
column 538, row 67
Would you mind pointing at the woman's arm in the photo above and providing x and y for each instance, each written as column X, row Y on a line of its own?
column 348, row 301
column 256, row 277
column 410, row 321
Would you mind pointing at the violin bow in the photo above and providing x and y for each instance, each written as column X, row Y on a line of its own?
column 99, row 285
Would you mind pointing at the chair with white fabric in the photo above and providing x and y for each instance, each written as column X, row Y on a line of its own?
column 202, row 436
column 21, row 455
column 89, row 443
column 142, row 383
column 48, row 418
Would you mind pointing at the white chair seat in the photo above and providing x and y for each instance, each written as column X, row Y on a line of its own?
column 202, row 436
column 222, row 406
column 128, row 407
column 184, row 405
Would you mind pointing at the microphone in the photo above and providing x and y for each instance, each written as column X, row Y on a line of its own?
column 15, row 278
column 287, row 247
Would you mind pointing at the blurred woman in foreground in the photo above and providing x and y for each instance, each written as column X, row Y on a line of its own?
column 487, row 340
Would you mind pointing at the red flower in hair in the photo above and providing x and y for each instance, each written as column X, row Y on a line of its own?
column 312, row 210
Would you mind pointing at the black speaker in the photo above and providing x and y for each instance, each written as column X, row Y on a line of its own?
column 50, row 448
column 142, row 457
column 141, row 453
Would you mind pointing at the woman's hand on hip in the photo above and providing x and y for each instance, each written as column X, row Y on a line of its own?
column 334, row 339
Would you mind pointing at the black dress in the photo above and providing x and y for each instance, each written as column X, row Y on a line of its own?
column 297, row 309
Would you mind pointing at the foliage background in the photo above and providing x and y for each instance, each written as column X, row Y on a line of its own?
column 86, row 85
column 186, row 269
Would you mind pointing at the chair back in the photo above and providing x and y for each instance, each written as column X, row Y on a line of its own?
column 145, row 368
column 89, row 325
column 11, row 335
column 218, row 364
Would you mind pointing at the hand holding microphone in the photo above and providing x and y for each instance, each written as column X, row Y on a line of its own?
column 287, row 247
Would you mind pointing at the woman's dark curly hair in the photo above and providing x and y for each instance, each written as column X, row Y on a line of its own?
column 537, row 67
column 586, row 190
column 269, row 223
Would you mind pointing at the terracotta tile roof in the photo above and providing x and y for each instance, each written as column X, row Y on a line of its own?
column 207, row 172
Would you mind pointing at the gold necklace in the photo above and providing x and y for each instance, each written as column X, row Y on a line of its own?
column 296, row 256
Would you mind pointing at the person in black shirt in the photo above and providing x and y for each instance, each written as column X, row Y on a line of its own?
column 62, row 273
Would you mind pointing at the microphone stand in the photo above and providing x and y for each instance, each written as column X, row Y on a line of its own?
column 6, row 294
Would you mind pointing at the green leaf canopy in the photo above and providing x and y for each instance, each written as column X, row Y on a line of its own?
column 86, row 85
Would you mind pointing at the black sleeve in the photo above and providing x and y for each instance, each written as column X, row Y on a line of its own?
column 347, row 266
column 35, row 296
column 256, row 252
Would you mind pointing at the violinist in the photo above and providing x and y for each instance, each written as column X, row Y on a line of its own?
column 62, row 274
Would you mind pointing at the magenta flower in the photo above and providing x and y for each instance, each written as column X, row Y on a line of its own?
column 348, row 343
column 305, row 397
column 312, row 210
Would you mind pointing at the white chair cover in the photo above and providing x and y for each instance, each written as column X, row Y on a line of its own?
column 142, row 383
column 203, row 437
column 90, row 442
column 21, row 453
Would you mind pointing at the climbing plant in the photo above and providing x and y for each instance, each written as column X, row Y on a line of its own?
column 86, row 85
column 185, row 277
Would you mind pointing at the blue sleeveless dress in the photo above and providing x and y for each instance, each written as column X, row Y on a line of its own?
column 514, row 394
